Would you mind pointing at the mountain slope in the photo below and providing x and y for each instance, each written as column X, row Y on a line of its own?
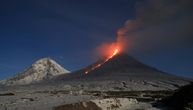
column 122, row 66
column 42, row 69
column 126, row 72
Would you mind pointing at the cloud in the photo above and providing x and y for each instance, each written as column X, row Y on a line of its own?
column 159, row 24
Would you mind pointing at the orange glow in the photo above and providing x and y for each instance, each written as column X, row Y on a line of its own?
column 115, row 52
column 109, row 50
column 86, row 72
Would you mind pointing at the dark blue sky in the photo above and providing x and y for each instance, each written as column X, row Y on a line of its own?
column 69, row 31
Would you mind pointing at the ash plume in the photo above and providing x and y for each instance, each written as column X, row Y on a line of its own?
column 159, row 24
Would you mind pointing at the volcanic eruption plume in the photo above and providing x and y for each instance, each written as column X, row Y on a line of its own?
column 109, row 50
column 158, row 25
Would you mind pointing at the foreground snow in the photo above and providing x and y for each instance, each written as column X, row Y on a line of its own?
column 34, row 97
column 59, row 101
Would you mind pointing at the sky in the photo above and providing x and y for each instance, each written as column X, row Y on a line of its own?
column 69, row 31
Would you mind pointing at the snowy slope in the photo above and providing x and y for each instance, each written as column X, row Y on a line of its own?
column 42, row 69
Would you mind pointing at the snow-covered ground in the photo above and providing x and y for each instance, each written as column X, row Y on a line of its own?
column 108, row 104
column 55, row 97
column 39, row 100
column 54, row 100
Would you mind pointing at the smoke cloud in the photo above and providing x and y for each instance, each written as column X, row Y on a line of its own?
column 159, row 24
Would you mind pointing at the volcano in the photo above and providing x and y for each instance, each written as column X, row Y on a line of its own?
column 43, row 69
column 124, row 68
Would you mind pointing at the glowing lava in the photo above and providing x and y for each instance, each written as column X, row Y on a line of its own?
column 115, row 52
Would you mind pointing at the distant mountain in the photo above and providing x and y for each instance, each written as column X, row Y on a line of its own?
column 42, row 69
column 126, row 69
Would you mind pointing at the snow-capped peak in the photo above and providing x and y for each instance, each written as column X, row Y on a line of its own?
column 42, row 69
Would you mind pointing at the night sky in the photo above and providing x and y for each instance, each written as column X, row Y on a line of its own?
column 69, row 32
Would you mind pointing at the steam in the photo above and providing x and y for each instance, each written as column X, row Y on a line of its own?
column 159, row 24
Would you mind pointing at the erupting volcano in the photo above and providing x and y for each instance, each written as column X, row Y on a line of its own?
column 108, row 73
column 107, row 51
column 112, row 54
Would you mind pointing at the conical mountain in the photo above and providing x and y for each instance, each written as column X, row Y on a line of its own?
column 124, row 68
column 43, row 69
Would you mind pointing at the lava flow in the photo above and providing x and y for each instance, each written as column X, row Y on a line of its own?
column 115, row 52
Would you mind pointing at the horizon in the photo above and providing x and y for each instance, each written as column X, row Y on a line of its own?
column 93, row 63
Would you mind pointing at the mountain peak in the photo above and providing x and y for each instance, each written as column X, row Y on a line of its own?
column 124, row 66
column 120, row 61
column 42, row 69
column 43, row 60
